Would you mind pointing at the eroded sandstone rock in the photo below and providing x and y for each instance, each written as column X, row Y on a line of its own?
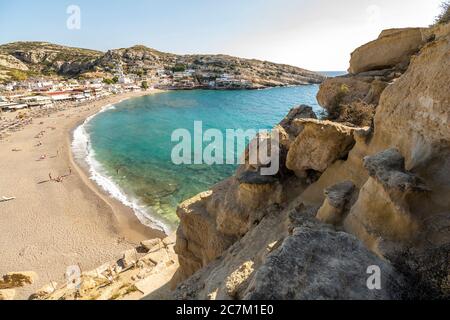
column 335, row 92
column 150, row 274
column 319, row 145
column 413, row 114
column 153, row 244
column 382, row 211
column 129, row 258
column 393, row 47
column 398, row 222
column 290, row 130
column 318, row 263
column 198, row 239
column 337, row 203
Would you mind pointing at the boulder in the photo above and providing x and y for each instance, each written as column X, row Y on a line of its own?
column 153, row 244
column 288, row 129
column 319, row 145
column 300, row 112
column 17, row 279
column 393, row 47
column 318, row 263
column 335, row 92
column 7, row 294
column 129, row 258
column 337, row 204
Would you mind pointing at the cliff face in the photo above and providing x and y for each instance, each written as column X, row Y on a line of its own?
column 369, row 186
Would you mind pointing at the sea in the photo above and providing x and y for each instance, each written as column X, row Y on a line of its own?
column 127, row 147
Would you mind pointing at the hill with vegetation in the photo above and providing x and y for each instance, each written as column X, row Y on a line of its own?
column 21, row 60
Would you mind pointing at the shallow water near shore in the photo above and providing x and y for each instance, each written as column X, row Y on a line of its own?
column 128, row 146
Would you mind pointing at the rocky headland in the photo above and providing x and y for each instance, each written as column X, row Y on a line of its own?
column 367, row 186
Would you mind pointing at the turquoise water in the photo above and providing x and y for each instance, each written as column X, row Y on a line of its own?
column 132, row 141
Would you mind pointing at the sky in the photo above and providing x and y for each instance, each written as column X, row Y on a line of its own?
column 313, row 34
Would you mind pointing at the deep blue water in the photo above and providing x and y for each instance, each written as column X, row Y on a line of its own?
column 132, row 144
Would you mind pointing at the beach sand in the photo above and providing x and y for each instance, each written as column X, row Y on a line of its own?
column 51, row 225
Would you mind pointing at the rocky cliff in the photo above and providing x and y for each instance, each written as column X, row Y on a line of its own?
column 367, row 187
column 46, row 59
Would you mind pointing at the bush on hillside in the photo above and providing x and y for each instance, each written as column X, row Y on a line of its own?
column 357, row 113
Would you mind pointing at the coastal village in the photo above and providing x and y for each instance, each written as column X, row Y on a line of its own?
column 42, row 77
column 46, row 94
column 41, row 92
column 40, row 74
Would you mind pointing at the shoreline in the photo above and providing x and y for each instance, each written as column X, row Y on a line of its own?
column 55, row 225
column 127, row 221
column 84, row 156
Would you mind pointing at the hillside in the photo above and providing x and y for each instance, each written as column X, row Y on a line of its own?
column 20, row 60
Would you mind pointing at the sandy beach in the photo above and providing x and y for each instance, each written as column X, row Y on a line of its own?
column 51, row 225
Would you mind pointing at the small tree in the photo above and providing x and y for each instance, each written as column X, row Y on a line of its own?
column 444, row 17
column 179, row 68
column 107, row 81
column 144, row 85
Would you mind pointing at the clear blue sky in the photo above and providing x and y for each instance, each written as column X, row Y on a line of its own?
column 315, row 34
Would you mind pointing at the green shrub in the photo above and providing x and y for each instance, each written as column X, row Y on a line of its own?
column 179, row 68
column 337, row 101
column 17, row 75
column 111, row 81
column 357, row 113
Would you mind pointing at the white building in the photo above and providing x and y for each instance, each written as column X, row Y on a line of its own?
column 60, row 96
column 36, row 101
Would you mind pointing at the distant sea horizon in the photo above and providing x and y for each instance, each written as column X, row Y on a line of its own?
column 332, row 74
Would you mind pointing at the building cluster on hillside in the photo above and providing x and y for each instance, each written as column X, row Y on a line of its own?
column 44, row 93
column 196, row 79
column 39, row 92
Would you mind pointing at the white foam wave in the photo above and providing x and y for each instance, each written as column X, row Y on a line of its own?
column 82, row 150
